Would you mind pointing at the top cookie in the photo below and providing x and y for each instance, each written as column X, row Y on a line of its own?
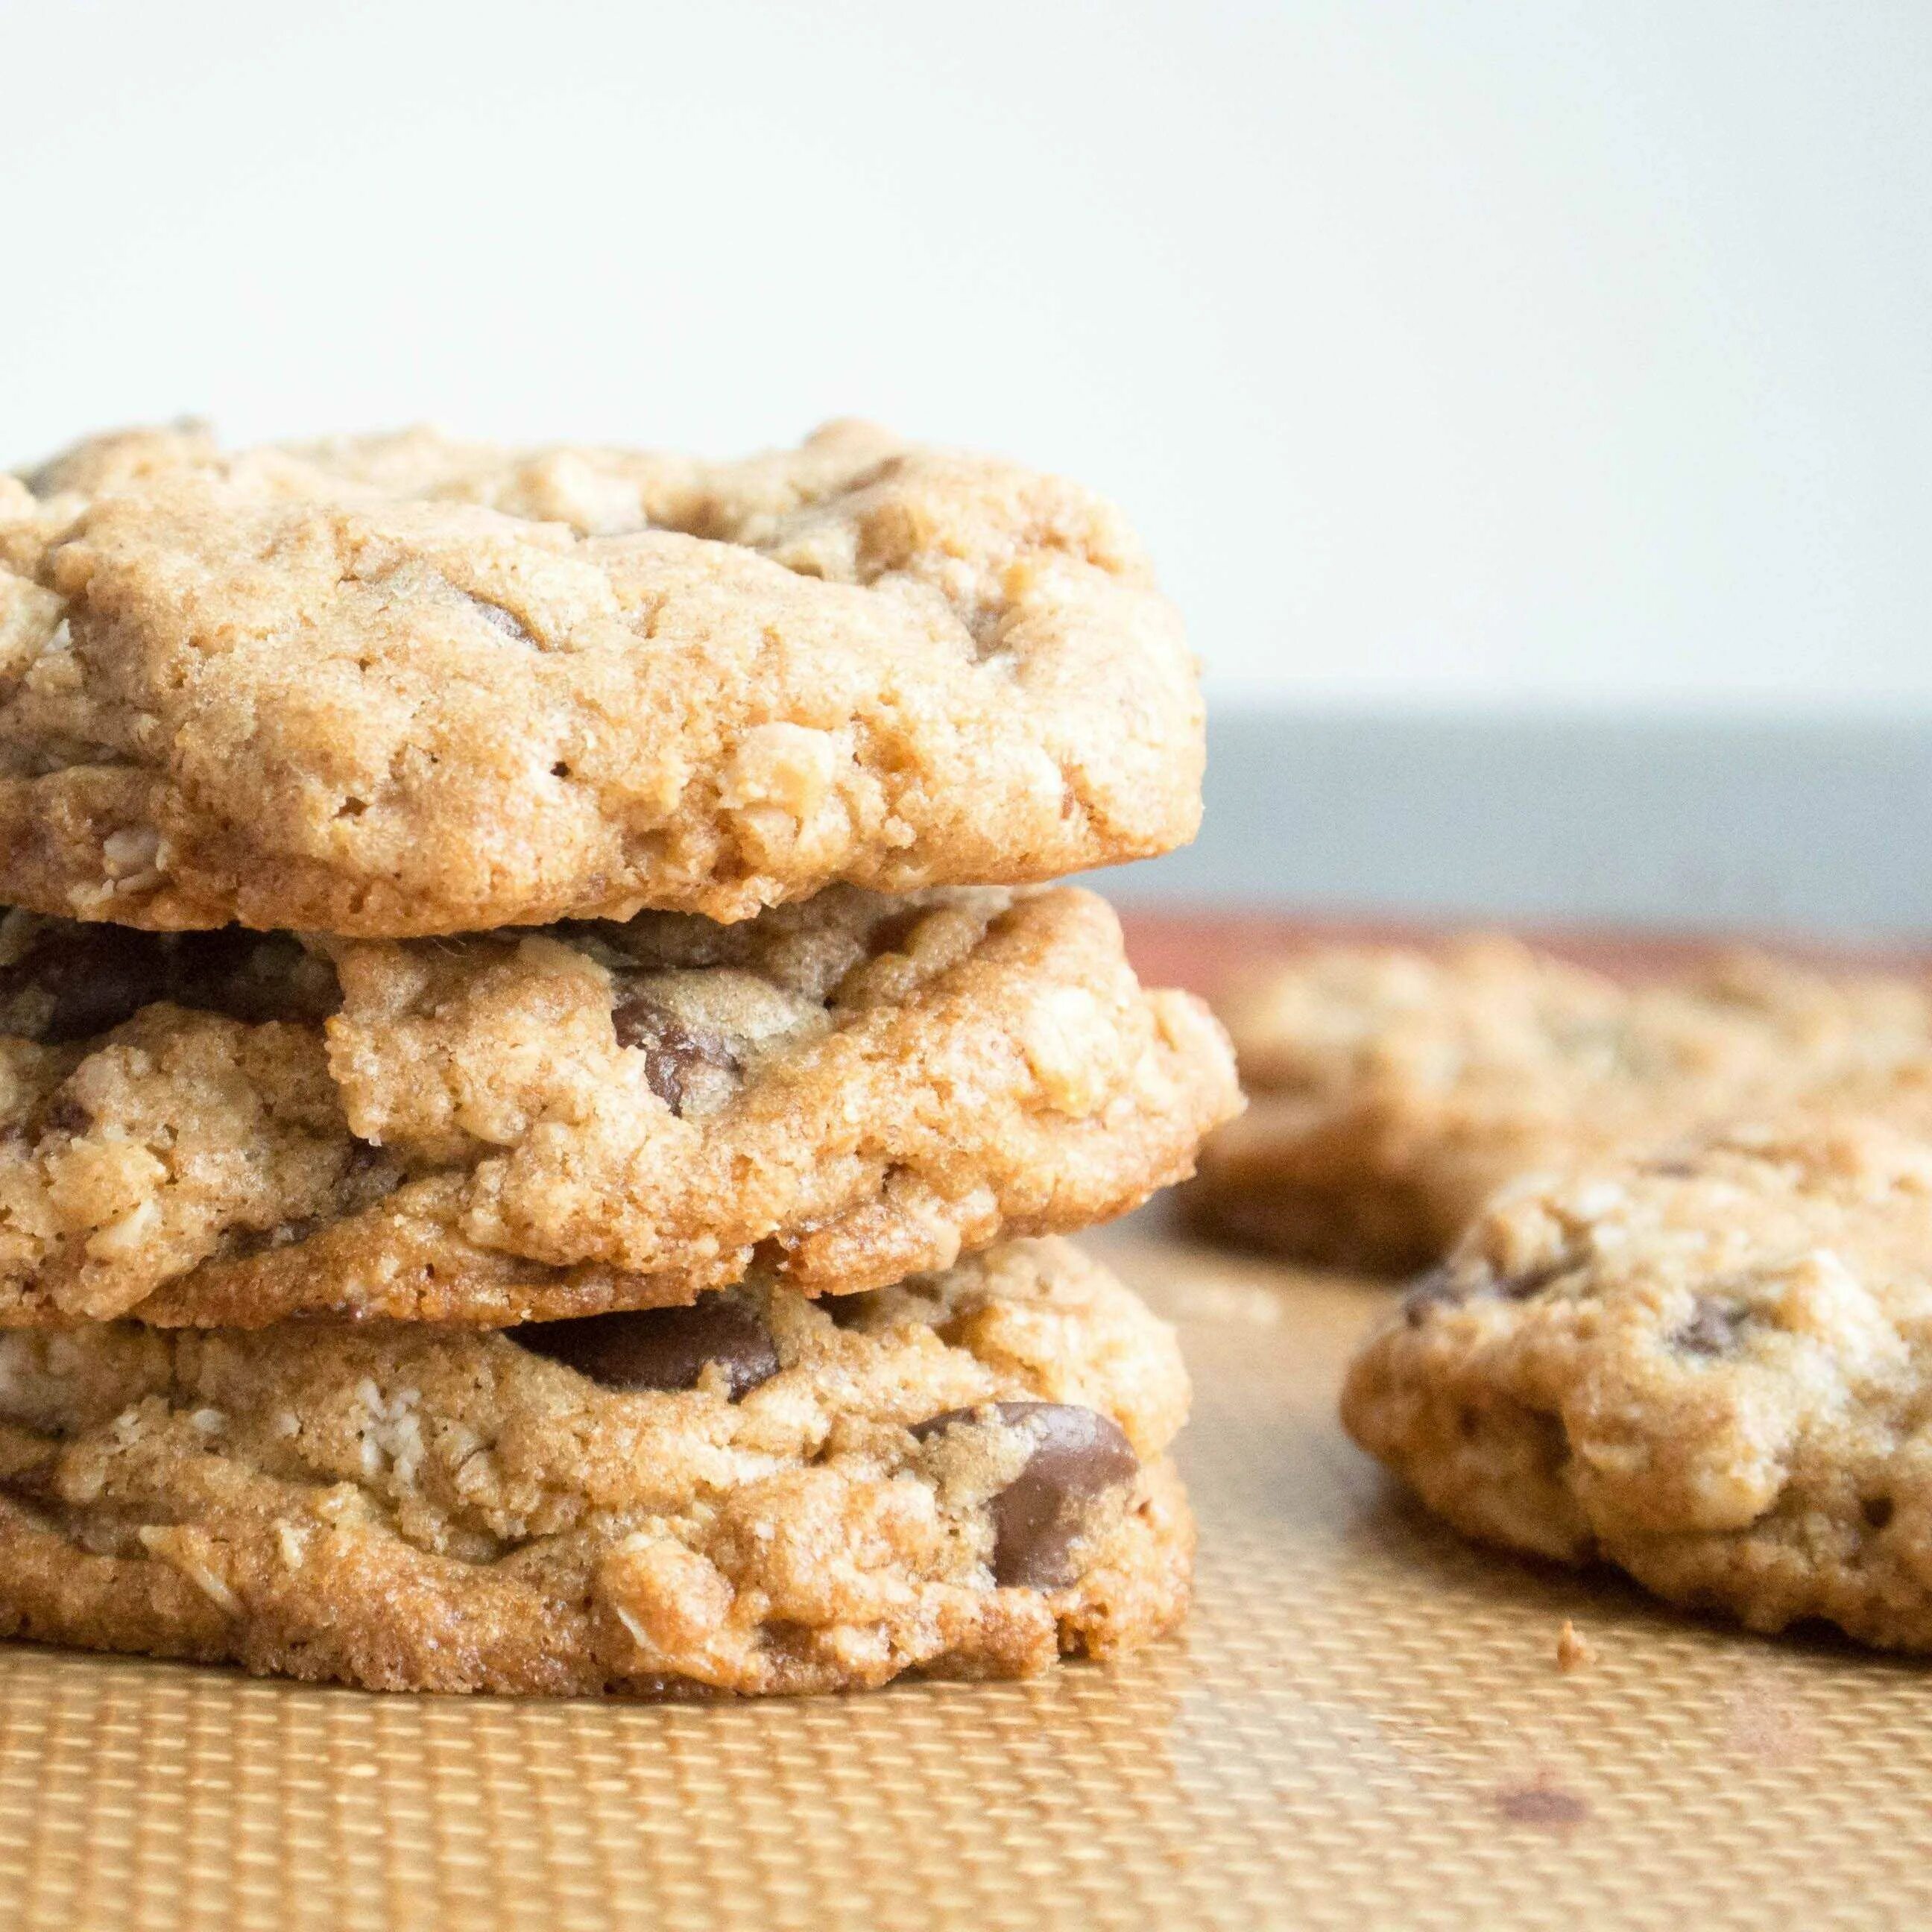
column 1394, row 1090
column 400, row 685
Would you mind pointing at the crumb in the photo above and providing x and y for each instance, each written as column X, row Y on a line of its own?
column 1573, row 1650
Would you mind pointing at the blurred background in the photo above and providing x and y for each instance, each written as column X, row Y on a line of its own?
column 1529, row 404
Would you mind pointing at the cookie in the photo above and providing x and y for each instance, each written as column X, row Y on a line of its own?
column 403, row 686
column 226, row 1128
column 1394, row 1090
column 966, row 1475
column 1711, row 1367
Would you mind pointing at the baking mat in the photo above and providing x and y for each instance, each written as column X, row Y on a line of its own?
column 1365, row 1724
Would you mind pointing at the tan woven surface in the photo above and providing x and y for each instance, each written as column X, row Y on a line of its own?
column 1365, row 1725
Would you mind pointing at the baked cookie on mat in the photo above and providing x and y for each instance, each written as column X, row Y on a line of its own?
column 965, row 1475
column 401, row 685
column 1711, row 1367
column 225, row 1129
column 1394, row 1090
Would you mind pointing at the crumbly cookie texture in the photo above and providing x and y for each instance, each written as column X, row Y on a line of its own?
column 1394, row 1090
column 966, row 1475
column 1711, row 1366
column 401, row 685
column 224, row 1129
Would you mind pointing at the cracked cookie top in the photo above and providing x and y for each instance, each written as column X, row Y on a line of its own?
column 224, row 1128
column 400, row 685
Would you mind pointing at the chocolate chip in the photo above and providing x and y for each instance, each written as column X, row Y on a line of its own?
column 673, row 1050
column 1450, row 1286
column 65, row 1115
column 665, row 1349
column 74, row 983
column 1078, row 1456
column 1712, row 1329
column 1878, row 1511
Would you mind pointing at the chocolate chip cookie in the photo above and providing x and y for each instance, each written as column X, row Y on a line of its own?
column 1710, row 1366
column 1393, row 1090
column 402, row 686
column 225, row 1129
column 965, row 1475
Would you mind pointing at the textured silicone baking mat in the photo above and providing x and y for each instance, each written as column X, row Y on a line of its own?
column 1364, row 1724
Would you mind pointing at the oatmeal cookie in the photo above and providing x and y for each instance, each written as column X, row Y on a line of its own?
column 1393, row 1090
column 225, row 1129
column 1710, row 1366
column 965, row 1475
column 400, row 685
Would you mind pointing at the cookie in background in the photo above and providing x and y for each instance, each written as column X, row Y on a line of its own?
column 1394, row 1090
column 1708, row 1365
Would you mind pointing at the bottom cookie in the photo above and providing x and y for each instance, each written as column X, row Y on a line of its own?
column 1711, row 1367
column 964, row 1476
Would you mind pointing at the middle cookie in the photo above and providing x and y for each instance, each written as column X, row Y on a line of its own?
column 227, row 1129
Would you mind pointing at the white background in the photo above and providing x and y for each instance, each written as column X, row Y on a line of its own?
column 1506, row 354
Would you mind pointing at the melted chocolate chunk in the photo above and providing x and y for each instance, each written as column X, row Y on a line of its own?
column 1712, row 1330
column 664, row 1349
column 1079, row 1455
column 673, row 1050
column 75, row 982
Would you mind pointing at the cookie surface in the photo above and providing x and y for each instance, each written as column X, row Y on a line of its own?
column 1712, row 1367
column 225, row 1129
column 965, row 1475
column 402, row 685
column 1393, row 1090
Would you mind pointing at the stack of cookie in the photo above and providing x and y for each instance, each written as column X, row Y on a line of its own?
column 536, row 1090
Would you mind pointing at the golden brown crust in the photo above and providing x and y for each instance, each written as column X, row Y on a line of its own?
column 523, row 1126
column 404, row 686
column 407, row 1509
